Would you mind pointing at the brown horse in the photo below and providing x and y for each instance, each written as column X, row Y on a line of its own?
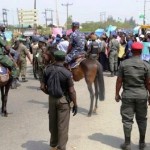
column 92, row 71
column 5, row 83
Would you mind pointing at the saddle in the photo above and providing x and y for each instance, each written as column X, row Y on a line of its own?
column 77, row 61
column 4, row 75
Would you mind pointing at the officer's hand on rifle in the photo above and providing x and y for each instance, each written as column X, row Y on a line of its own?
column 74, row 110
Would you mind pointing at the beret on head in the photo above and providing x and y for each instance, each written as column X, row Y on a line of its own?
column 137, row 46
column 75, row 24
column 59, row 55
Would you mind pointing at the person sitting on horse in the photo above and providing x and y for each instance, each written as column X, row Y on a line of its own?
column 76, row 44
column 4, row 59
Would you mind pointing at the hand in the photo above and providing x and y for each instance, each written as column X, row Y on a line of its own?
column 117, row 98
column 74, row 110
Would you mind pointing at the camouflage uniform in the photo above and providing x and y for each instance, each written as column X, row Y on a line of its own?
column 77, row 40
column 39, row 56
column 23, row 51
column 4, row 59
column 113, row 56
column 134, row 72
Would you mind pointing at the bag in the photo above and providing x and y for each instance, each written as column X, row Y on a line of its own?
column 54, row 86
column 4, row 74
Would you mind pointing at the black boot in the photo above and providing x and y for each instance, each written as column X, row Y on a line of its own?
column 127, row 144
column 24, row 80
column 112, row 74
column 13, row 85
column 142, row 144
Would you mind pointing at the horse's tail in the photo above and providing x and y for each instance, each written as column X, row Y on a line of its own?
column 101, row 85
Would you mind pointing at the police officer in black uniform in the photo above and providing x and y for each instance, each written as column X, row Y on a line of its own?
column 59, row 107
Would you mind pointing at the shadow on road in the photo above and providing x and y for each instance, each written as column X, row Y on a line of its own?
column 82, row 111
column 33, row 88
column 45, row 104
column 35, row 145
column 107, row 139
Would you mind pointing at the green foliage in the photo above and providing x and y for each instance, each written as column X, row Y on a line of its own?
column 92, row 26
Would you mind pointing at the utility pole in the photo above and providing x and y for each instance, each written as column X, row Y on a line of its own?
column 144, row 18
column 67, row 6
column 35, row 24
column 57, row 16
column 46, row 16
column 34, row 4
column 4, row 14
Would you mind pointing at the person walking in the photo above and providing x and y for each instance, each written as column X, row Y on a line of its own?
column 134, row 75
column 23, row 52
column 59, row 106
column 113, row 56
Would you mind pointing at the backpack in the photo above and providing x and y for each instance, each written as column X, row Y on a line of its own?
column 53, row 82
column 94, row 47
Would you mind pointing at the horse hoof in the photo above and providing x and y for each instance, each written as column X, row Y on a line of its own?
column 5, row 114
column 89, row 114
column 94, row 111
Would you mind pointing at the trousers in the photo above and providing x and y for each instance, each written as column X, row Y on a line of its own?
column 113, row 61
column 59, row 116
column 131, row 107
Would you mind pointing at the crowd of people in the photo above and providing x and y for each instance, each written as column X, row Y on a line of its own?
column 120, row 54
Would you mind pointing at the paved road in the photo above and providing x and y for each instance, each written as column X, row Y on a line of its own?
column 26, row 127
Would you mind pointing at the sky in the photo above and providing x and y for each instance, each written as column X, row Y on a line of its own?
column 81, row 10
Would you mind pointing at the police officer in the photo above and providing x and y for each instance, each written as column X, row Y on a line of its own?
column 39, row 55
column 134, row 75
column 4, row 59
column 76, row 44
column 23, row 52
column 93, row 48
column 113, row 56
column 59, row 108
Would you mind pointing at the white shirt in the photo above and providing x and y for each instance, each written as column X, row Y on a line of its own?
column 63, row 45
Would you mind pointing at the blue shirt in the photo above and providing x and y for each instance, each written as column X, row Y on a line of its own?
column 77, row 40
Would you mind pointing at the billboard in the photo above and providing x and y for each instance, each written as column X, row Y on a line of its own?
column 28, row 17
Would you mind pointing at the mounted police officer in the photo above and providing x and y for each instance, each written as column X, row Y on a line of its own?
column 4, row 59
column 77, row 43
column 134, row 75
column 59, row 106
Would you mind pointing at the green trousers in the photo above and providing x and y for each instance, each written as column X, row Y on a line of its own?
column 131, row 107
column 59, row 116
column 113, row 61
column 23, row 68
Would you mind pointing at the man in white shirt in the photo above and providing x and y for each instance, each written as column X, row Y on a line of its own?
column 63, row 44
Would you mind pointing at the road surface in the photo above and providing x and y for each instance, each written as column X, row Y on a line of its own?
column 26, row 127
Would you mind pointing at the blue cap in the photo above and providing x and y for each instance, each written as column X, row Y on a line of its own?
column 75, row 24
column 42, row 39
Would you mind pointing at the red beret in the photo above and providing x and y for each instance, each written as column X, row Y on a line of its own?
column 137, row 46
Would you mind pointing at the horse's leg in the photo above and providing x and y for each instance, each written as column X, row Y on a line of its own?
column 7, row 87
column 96, row 94
column 91, row 97
column 2, row 99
